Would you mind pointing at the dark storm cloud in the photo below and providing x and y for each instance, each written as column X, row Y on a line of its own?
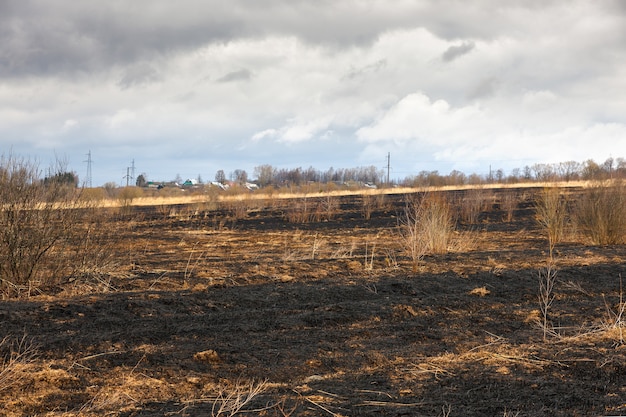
column 61, row 37
column 68, row 37
column 454, row 52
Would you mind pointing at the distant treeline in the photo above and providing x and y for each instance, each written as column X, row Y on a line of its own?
column 560, row 171
column 266, row 175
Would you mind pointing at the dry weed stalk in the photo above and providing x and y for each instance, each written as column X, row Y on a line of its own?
column 317, row 245
column 369, row 256
column 189, row 268
column 547, row 279
column 232, row 400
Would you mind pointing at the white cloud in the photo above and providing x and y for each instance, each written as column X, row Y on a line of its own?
column 417, row 118
column 121, row 118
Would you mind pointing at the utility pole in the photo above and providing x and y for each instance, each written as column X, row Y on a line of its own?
column 388, row 165
column 88, row 177
column 132, row 170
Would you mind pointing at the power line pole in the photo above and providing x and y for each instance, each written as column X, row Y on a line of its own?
column 88, row 177
column 388, row 165
column 132, row 170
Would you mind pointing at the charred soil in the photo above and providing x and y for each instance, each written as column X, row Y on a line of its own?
column 327, row 316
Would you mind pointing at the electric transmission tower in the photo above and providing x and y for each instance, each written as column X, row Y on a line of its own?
column 88, row 177
column 130, row 173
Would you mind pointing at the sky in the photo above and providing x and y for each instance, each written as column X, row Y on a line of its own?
column 190, row 87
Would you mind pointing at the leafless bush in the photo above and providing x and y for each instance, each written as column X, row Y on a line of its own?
column 551, row 214
column 35, row 217
column 601, row 214
column 49, row 232
column 127, row 194
column 426, row 227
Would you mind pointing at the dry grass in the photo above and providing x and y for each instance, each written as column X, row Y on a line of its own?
column 601, row 214
column 15, row 355
column 508, row 204
column 552, row 215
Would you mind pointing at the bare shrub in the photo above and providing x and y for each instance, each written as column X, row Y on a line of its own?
column 35, row 217
column 601, row 214
column 426, row 226
column 127, row 194
column 551, row 214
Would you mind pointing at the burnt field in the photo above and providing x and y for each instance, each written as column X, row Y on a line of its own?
column 312, row 307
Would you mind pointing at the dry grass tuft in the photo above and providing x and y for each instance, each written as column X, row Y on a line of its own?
column 552, row 215
column 601, row 214
column 480, row 291
column 15, row 355
column 426, row 227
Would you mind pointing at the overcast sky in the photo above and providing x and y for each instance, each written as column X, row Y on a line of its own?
column 189, row 87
